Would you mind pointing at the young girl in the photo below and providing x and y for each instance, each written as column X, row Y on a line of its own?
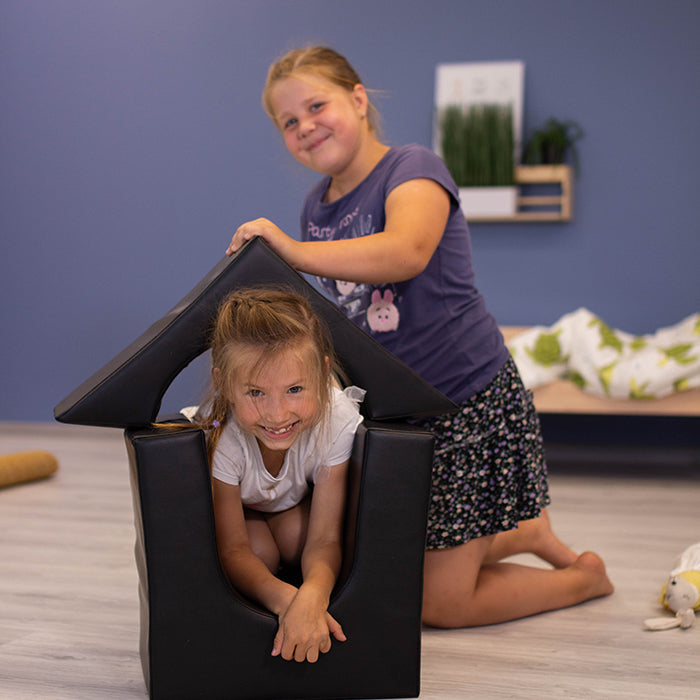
column 281, row 436
column 384, row 230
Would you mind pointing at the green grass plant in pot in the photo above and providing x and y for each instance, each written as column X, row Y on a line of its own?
column 478, row 148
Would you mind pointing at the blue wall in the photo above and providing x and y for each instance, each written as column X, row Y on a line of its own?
column 132, row 143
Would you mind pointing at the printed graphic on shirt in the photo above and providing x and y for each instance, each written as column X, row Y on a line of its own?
column 375, row 309
column 382, row 314
column 358, row 225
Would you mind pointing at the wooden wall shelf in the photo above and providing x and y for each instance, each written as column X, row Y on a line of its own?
column 545, row 194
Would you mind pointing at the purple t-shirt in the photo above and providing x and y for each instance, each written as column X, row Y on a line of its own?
column 437, row 322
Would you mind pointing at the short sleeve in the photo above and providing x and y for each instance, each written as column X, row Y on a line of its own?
column 344, row 420
column 416, row 162
column 230, row 456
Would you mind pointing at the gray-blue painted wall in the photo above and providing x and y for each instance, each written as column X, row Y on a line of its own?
column 132, row 143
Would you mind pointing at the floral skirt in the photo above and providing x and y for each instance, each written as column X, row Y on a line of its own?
column 489, row 470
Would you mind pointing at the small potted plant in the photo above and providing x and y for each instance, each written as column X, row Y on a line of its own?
column 550, row 144
column 478, row 147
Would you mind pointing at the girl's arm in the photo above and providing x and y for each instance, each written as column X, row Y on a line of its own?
column 245, row 570
column 416, row 216
column 305, row 627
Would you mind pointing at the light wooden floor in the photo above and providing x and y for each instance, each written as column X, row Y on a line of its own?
column 69, row 608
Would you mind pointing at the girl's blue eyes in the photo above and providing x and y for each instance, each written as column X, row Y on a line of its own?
column 256, row 393
column 313, row 108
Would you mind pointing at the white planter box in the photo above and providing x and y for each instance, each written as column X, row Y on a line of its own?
column 480, row 202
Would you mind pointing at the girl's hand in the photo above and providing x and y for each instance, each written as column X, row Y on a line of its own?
column 280, row 242
column 305, row 630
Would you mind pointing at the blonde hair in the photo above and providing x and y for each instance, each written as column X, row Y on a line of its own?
column 320, row 62
column 266, row 321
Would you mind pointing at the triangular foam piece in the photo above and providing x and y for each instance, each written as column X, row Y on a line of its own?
column 128, row 390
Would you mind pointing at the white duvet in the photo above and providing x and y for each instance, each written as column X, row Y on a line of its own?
column 582, row 348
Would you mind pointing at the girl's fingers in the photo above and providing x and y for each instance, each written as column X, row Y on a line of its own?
column 298, row 653
column 277, row 644
column 311, row 655
column 313, row 652
column 245, row 232
column 335, row 629
column 239, row 238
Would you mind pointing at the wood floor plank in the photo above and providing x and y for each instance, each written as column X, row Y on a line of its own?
column 69, row 604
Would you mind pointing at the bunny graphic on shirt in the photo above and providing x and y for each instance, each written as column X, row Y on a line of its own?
column 382, row 314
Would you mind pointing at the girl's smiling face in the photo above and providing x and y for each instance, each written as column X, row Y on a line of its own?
column 277, row 401
column 323, row 125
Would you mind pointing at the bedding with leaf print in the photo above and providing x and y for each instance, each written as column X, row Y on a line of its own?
column 601, row 360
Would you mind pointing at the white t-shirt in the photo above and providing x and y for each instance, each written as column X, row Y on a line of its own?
column 237, row 459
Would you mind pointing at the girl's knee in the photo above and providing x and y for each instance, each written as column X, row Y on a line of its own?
column 269, row 554
column 438, row 594
column 431, row 614
column 441, row 610
column 289, row 530
column 262, row 543
column 450, row 581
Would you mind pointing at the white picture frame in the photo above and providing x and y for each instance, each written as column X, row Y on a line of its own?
column 481, row 82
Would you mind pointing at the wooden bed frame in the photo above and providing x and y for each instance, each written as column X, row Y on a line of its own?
column 564, row 397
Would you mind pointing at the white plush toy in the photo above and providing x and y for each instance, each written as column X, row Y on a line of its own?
column 681, row 593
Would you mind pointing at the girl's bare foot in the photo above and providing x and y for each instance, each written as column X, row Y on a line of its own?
column 547, row 546
column 596, row 582
column 536, row 537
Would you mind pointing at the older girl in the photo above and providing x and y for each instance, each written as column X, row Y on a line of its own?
column 384, row 232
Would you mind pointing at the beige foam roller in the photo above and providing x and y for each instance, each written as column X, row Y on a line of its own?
column 18, row 467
